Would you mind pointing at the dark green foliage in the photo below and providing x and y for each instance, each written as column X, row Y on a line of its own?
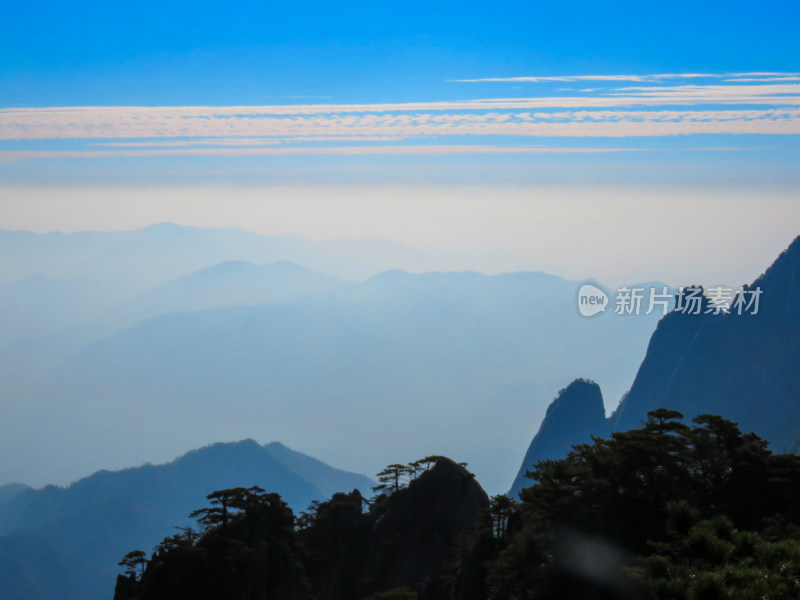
column 712, row 559
column 393, row 477
column 336, row 543
column 396, row 476
column 134, row 563
column 421, row 465
column 621, row 488
column 254, row 549
column 666, row 511
column 501, row 511
column 401, row 593
column 185, row 538
column 247, row 551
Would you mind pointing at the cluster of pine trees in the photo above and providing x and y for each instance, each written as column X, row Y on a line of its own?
column 250, row 545
column 245, row 532
column 668, row 511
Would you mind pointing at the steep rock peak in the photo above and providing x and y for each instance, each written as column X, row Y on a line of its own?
column 575, row 415
column 580, row 400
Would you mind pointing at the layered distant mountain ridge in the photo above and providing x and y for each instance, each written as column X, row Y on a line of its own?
column 65, row 542
column 741, row 366
column 225, row 334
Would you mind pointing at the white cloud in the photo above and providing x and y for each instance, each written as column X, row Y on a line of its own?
column 707, row 92
column 768, row 105
column 430, row 150
column 248, row 141
column 375, row 127
column 543, row 79
column 762, row 79
column 643, row 78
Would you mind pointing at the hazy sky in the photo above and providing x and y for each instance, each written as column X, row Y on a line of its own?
column 619, row 236
column 625, row 141
column 616, row 140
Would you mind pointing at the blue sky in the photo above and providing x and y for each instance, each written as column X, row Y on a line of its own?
column 390, row 76
column 678, row 100
column 179, row 53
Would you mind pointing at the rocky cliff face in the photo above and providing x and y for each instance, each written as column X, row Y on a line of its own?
column 741, row 366
column 574, row 417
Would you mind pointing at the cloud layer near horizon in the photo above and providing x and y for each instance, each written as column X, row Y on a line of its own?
column 662, row 105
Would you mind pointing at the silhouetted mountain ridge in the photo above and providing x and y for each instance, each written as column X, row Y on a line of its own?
column 10, row 490
column 740, row 366
column 419, row 344
column 64, row 542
